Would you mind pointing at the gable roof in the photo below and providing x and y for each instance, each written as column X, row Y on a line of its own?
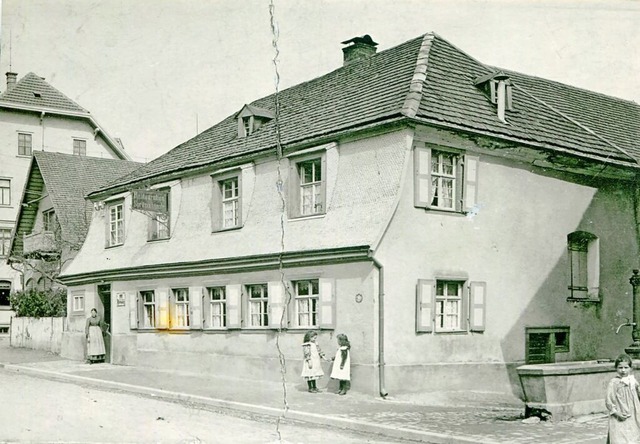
column 425, row 79
column 67, row 179
column 32, row 93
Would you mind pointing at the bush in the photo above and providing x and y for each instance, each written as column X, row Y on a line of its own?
column 38, row 303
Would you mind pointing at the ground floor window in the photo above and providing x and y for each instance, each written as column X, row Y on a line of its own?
column 180, row 319
column 148, row 309
column 542, row 344
column 258, row 305
column 307, row 295
column 5, row 291
column 217, row 307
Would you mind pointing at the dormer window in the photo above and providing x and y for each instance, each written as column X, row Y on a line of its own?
column 251, row 118
column 497, row 86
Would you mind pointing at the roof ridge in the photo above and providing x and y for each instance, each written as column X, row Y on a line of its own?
column 4, row 97
column 578, row 124
column 414, row 96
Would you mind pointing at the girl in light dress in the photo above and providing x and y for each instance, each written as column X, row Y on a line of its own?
column 341, row 369
column 312, row 354
column 623, row 404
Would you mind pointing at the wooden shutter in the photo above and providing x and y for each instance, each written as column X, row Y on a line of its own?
column 234, row 300
column 294, row 190
column 422, row 177
column 162, row 307
column 133, row 311
column 277, row 302
column 216, row 206
column 195, row 307
column 471, row 164
column 327, row 308
column 425, row 313
column 477, row 306
column 323, row 185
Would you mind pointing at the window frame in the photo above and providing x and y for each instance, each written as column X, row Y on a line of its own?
column 208, row 308
column 119, row 224
column 218, row 200
column 465, row 178
column 174, row 304
column 22, row 138
column 5, row 191
column 263, row 302
column 77, row 308
column 5, row 241
column 441, row 300
column 153, row 232
column 311, row 297
column 142, row 310
column 583, row 249
column 297, row 186
column 79, row 147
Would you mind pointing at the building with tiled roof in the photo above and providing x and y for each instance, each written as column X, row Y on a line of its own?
column 452, row 218
column 35, row 116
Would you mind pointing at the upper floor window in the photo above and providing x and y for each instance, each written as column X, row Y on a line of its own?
column 307, row 296
column 5, row 191
column 160, row 221
column 444, row 180
column 250, row 118
column 227, row 201
column 584, row 258
column 79, row 147
column 449, row 305
column 257, row 305
column 116, row 224
column 308, row 186
column 50, row 221
column 5, row 241
column 24, row 144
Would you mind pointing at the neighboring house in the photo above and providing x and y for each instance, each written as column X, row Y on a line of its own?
column 34, row 116
column 454, row 219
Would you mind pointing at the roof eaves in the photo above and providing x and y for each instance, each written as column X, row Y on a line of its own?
column 531, row 143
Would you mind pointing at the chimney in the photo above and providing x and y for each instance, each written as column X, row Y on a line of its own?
column 359, row 48
column 11, row 80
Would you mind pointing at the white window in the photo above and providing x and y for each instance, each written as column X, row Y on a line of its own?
column 116, row 224
column 227, row 201
column 450, row 305
column 230, row 202
column 584, row 258
column 78, row 301
column 79, row 147
column 5, row 241
column 5, row 191
column 24, row 144
column 180, row 318
column 307, row 296
column 148, row 299
column 50, row 221
column 307, row 192
column 217, row 307
column 444, row 179
column 258, row 305
column 160, row 222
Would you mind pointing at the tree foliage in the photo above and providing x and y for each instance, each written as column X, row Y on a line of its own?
column 39, row 303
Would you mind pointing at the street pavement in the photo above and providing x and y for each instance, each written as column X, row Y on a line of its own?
column 432, row 418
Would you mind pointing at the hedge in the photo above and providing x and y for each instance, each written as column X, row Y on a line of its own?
column 38, row 303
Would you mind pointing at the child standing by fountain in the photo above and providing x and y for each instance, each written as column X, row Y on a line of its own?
column 623, row 404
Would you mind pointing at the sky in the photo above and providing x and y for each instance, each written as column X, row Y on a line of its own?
column 156, row 72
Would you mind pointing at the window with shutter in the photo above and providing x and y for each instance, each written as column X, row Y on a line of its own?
column 584, row 259
column 444, row 179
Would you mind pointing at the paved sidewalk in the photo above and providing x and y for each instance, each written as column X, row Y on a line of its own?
column 445, row 418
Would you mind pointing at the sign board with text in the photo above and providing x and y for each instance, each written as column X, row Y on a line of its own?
column 150, row 200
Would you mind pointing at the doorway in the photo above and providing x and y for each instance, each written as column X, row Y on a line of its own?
column 104, row 292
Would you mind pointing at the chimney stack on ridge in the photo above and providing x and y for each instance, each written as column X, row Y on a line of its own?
column 11, row 80
column 360, row 48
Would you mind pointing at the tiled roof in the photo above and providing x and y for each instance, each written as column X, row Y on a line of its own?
column 68, row 179
column 33, row 91
column 378, row 89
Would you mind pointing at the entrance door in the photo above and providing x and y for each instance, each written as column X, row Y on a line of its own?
column 104, row 292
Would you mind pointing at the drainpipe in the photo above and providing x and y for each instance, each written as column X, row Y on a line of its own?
column 378, row 265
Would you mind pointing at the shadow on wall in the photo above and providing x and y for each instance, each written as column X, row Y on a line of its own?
column 568, row 330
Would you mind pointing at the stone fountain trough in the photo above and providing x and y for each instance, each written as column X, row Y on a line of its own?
column 567, row 389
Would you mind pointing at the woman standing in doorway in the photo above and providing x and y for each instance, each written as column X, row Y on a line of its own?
column 95, row 341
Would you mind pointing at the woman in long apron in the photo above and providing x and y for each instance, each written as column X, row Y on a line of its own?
column 95, row 341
